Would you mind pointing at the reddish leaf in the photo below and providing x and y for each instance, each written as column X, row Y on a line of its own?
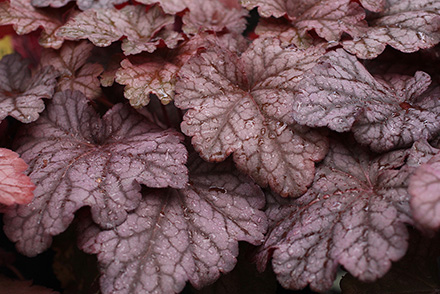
column 383, row 112
column 405, row 25
column 77, row 159
column 21, row 92
column 213, row 15
column 25, row 19
column 240, row 105
column 106, row 25
column 180, row 235
column 157, row 73
column 76, row 73
column 15, row 186
column 352, row 215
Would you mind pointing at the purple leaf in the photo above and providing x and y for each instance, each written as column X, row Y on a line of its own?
column 77, row 159
column 15, row 186
column 106, row 25
column 213, row 15
column 183, row 235
column 352, row 215
column 157, row 73
column 424, row 188
column 25, row 19
column 405, row 25
column 383, row 112
column 240, row 105
column 76, row 73
column 21, row 92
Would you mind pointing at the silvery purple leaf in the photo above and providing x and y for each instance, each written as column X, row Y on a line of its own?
column 77, row 159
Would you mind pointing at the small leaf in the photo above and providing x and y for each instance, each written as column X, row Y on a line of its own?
column 405, row 25
column 353, row 215
column 77, row 159
column 15, row 186
column 180, row 235
column 383, row 112
column 21, row 92
column 75, row 72
column 240, row 105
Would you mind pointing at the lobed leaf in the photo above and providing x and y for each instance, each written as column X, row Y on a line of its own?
column 404, row 25
column 383, row 112
column 240, row 105
column 75, row 72
column 352, row 215
column 77, row 159
column 21, row 92
column 180, row 235
column 15, row 186
column 103, row 26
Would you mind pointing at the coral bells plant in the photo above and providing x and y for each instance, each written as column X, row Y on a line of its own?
column 164, row 132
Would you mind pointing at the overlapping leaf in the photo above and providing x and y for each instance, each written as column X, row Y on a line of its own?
column 75, row 73
column 383, row 112
column 25, row 18
column 21, row 92
column 183, row 235
column 15, row 186
column 405, row 25
column 77, row 159
column 82, row 4
column 373, row 5
column 214, row 15
column 240, row 105
column 352, row 215
column 106, row 25
column 157, row 73
column 169, row 6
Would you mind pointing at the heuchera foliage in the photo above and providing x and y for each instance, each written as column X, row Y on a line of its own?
column 167, row 131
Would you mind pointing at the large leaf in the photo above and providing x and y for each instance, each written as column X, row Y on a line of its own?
column 180, row 235
column 405, row 25
column 241, row 105
column 352, row 215
column 75, row 72
column 103, row 26
column 15, row 186
column 383, row 112
column 21, row 92
column 77, row 159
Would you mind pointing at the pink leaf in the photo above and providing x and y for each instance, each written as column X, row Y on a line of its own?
column 82, row 4
column 240, row 105
column 76, row 73
column 157, row 73
column 15, row 186
column 77, row 159
column 383, row 112
column 405, row 25
column 183, row 235
column 25, row 19
column 21, row 92
column 373, row 5
column 106, row 25
column 213, row 15
column 352, row 215
column 169, row 6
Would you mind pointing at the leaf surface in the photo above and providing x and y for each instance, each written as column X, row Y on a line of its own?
column 240, row 105
column 82, row 4
column 77, row 159
column 383, row 112
column 352, row 215
column 25, row 19
column 15, row 186
column 405, row 25
column 21, row 92
column 103, row 26
column 75, row 72
column 183, row 235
